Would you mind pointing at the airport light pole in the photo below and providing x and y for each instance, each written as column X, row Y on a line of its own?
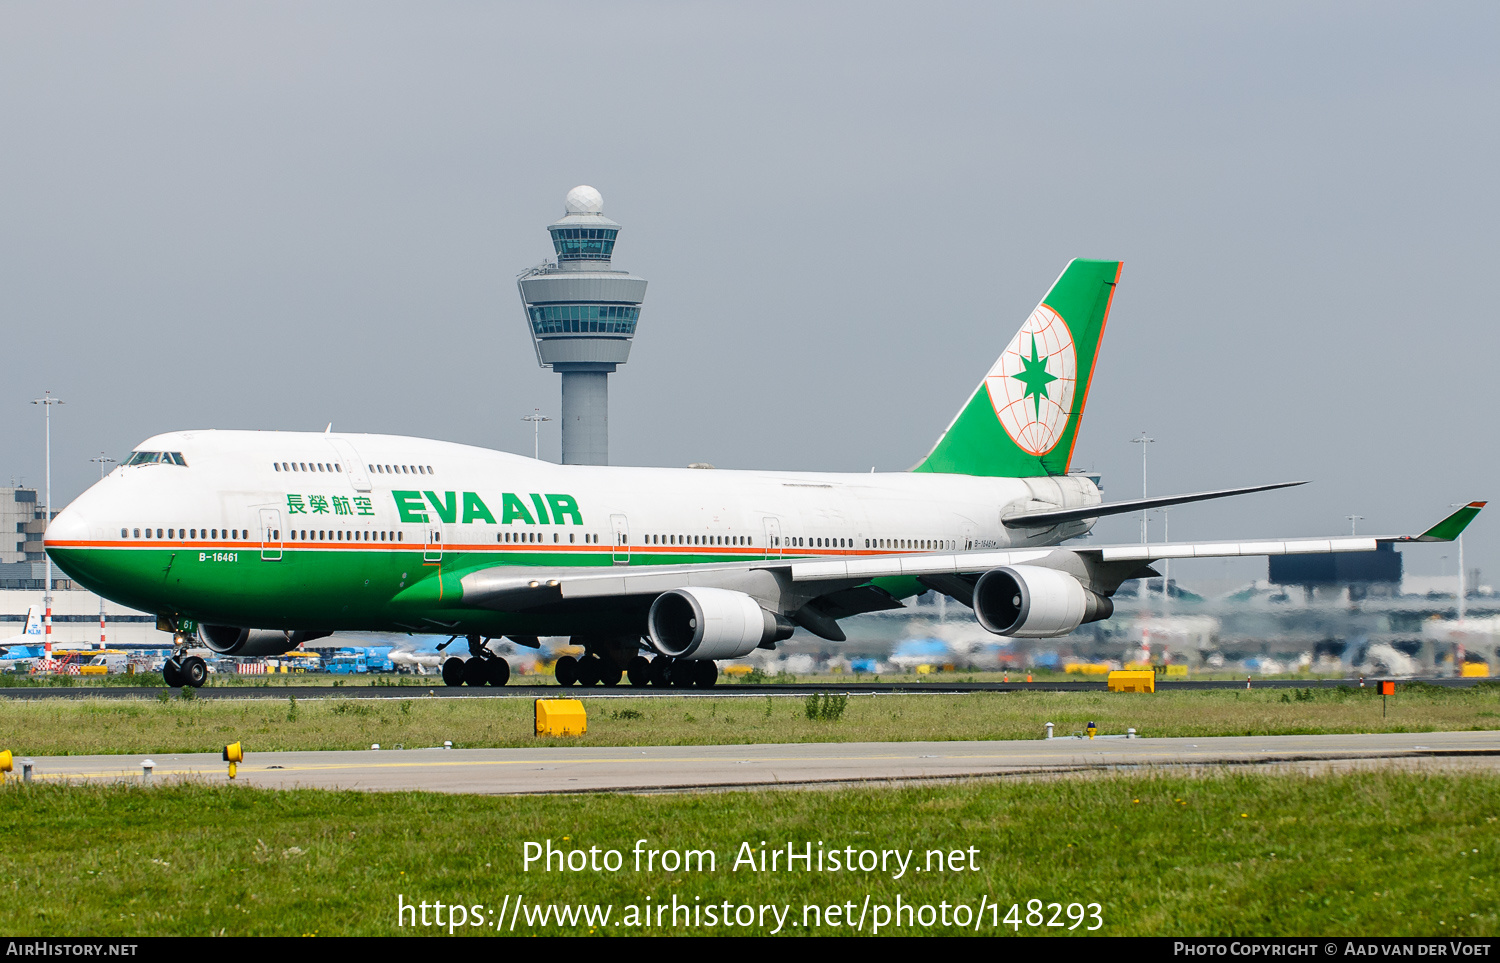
column 104, row 461
column 1166, row 574
column 1143, row 441
column 1462, row 575
column 1354, row 520
column 47, row 401
column 536, row 418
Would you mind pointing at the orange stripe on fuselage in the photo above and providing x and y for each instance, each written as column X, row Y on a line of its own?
column 534, row 548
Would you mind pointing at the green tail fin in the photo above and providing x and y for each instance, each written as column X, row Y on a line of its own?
column 1023, row 418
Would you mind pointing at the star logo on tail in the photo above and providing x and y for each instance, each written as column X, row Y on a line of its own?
column 1035, row 377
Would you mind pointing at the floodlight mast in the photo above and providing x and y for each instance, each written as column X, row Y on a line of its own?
column 47, row 401
column 1143, row 441
column 104, row 461
column 536, row 418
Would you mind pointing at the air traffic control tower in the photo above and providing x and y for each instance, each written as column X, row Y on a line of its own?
column 582, row 314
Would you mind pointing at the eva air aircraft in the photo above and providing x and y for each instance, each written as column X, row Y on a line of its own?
column 255, row 542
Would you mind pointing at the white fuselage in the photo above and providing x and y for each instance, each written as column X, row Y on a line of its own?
column 336, row 487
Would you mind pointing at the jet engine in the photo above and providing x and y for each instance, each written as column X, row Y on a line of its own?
column 230, row 640
column 711, row 623
column 1030, row 602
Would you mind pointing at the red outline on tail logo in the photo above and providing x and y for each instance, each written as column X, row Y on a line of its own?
column 1031, row 386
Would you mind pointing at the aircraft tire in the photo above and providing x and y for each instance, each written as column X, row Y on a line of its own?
column 476, row 673
column 661, row 669
column 609, row 674
column 194, row 671
column 680, row 675
column 498, row 671
column 453, row 671
column 171, row 674
column 705, row 674
column 589, row 670
column 566, row 670
column 639, row 671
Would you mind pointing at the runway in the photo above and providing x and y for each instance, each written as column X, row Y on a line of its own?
column 707, row 768
column 363, row 689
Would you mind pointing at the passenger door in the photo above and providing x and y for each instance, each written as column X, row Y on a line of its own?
column 270, row 535
column 773, row 537
column 621, row 527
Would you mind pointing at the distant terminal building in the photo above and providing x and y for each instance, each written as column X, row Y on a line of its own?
column 1362, row 572
column 23, row 519
column 581, row 314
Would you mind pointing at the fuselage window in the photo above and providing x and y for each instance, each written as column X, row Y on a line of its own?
column 400, row 536
column 338, row 468
column 276, row 466
column 158, row 533
column 124, row 533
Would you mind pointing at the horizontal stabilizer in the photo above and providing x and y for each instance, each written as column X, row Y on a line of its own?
column 1057, row 517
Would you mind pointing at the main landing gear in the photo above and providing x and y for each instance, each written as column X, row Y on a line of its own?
column 587, row 671
column 182, row 669
column 483, row 667
column 660, row 671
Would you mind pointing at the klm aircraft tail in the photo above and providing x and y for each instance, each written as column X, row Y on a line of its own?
column 1023, row 418
column 34, row 620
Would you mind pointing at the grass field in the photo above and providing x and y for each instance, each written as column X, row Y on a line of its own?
column 175, row 724
column 1374, row 853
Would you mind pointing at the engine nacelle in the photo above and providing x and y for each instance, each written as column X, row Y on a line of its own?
column 1030, row 602
column 229, row 640
column 711, row 623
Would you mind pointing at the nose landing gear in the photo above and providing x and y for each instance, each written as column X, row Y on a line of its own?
column 182, row 669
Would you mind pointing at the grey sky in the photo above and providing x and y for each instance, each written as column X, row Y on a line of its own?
column 280, row 215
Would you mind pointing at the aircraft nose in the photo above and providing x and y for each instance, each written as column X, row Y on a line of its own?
column 70, row 527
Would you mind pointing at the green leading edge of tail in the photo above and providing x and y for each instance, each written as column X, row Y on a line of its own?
column 1023, row 418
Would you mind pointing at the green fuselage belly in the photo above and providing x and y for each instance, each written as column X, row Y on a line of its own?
column 329, row 589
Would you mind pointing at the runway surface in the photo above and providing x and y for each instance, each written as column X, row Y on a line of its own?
column 700, row 768
column 365, row 689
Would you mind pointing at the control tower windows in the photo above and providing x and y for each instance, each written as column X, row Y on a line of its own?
column 584, row 318
column 584, row 243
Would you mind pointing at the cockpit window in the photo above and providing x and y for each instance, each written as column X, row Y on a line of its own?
column 156, row 457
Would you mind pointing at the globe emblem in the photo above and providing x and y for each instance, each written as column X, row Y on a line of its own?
column 1031, row 386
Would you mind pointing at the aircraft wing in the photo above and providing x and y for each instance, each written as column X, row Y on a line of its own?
column 816, row 593
column 974, row 562
column 519, row 588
